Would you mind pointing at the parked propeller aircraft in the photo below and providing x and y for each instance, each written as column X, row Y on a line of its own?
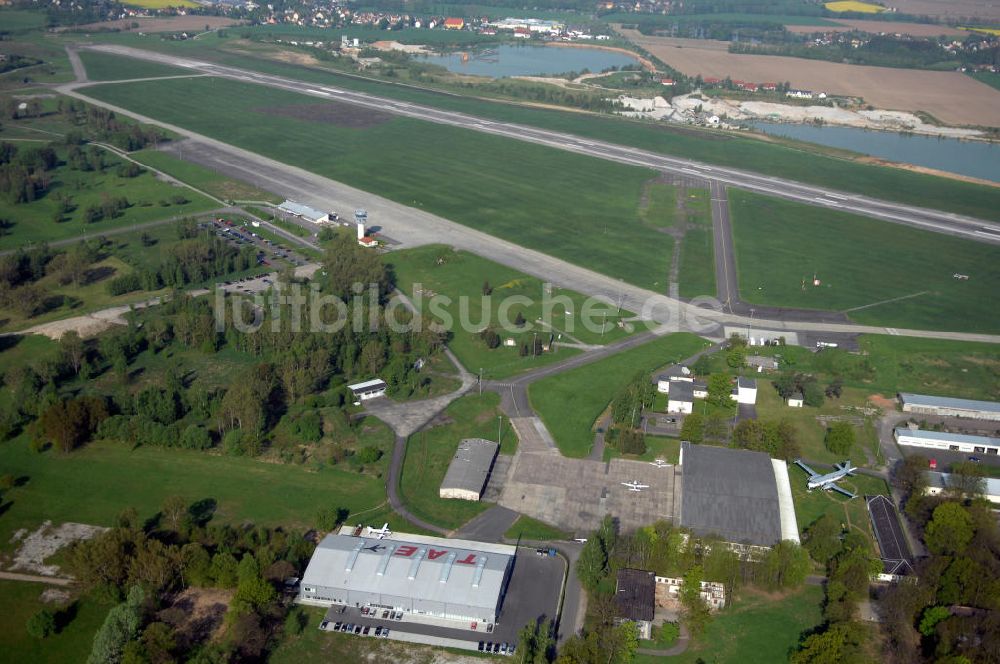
column 635, row 486
column 828, row 482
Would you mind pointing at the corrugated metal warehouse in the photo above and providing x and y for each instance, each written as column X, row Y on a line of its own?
column 433, row 576
column 948, row 406
column 469, row 469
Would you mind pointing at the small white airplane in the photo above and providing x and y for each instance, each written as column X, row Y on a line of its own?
column 380, row 533
column 635, row 486
column 660, row 463
column 828, row 482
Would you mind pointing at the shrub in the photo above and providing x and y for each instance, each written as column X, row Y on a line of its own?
column 42, row 624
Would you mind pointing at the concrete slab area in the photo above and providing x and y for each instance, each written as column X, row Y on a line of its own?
column 575, row 494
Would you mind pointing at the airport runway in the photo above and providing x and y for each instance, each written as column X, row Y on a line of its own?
column 933, row 220
column 412, row 227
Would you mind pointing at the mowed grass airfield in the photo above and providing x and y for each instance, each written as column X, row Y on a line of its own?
column 580, row 209
column 586, row 210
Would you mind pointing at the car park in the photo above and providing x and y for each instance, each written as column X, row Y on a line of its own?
column 357, row 629
column 366, row 630
column 503, row 648
column 385, row 614
column 337, row 626
column 481, row 646
column 385, row 633
column 324, row 624
column 378, row 631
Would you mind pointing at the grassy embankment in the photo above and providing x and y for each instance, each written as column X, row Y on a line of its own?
column 492, row 183
column 429, row 452
column 460, row 276
column 878, row 273
column 532, row 530
column 207, row 180
column 569, row 403
column 789, row 159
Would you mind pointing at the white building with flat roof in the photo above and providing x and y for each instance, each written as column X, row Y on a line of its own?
column 369, row 389
column 926, row 404
column 938, row 482
column 448, row 579
column 940, row 440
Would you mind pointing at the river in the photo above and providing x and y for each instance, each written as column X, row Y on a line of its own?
column 972, row 158
column 515, row 60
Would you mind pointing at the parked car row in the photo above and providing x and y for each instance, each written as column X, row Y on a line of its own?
column 497, row 648
column 351, row 628
column 387, row 614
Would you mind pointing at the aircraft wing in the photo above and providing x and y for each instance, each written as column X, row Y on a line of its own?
column 842, row 490
column 803, row 466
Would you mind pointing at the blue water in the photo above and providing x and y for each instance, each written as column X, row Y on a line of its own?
column 508, row 60
column 972, row 158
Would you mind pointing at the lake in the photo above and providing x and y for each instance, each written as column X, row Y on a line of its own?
column 972, row 158
column 510, row 60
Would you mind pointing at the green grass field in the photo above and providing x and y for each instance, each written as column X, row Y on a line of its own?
column 149, row 197
column 785, row 159
column 429, row 452
column 71, row 644
column 811, row 432
column 532, row 530
column 852, row 512
column 569, row 403
column 756, row 629
column 460, row 276
column 661, row 206
column 18, row 20
column 109, row 67
column 989, row 78
column 697, row 269
column 94, row 484
column 206, row 180
column 657, row 447
column 545, row 199
column 781, row 245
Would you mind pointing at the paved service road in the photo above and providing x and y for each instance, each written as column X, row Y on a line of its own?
column 927, row 219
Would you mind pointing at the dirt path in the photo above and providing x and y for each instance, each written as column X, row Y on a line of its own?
column 35, row 578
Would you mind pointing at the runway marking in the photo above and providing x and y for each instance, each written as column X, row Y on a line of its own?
column 875, row 304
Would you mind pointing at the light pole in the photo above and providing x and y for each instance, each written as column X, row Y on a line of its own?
column 749, row 326
column 499, row 427
column 480, row 381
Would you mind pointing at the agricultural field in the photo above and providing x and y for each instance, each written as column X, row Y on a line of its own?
column 798, row 161
column 461, row 277
column 876, row 272
column 107, row 67
column 757, row 629
column 76, row 620
column 160, row 4
column 947, row 95
column 378, row 152
column 849, row 24
column 954, row 9
column 149, row 198
column 429, row 452
column 854, row 6
column 570, row 402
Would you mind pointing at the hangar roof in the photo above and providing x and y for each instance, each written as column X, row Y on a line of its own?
column 427, row 568
column 471, row 465
column 730, row 493
column 927, row 400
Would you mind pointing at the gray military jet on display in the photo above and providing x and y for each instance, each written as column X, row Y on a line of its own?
column 828, row 482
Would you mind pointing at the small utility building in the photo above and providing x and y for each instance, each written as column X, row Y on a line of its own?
column 370, row 389
column 469, row 469
column 745, row 391
column 441, row 578
column 680, row 397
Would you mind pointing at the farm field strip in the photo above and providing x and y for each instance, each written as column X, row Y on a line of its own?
column 949, row 96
